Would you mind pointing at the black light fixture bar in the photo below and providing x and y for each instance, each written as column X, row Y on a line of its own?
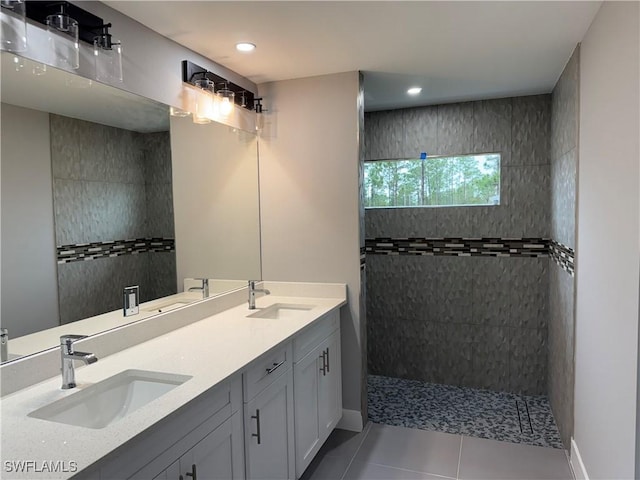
column 89, row 25
column 192, row 72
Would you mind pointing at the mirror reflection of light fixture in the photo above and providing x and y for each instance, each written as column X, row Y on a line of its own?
column 14, row 25
column 108, row 56
column 178, row 112
column 63, row 39
column 227, row 100
column 204, row 102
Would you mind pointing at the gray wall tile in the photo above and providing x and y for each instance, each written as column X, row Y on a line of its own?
column 455, row 128
column 529, row 200
column 401, row 222
column 528, row 360
column 492, row 278
column 563, row 156
column 107, row 182
column 530, row 130
column 564, row 108
column 420, row 126
column 561, row 348
column 492, row 126
column 461, row 334
column 563, row 198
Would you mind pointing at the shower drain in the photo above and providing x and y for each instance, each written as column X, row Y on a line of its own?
column 524, row 418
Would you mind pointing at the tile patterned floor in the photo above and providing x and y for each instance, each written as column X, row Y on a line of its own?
column 457, row 410
column 383, row 452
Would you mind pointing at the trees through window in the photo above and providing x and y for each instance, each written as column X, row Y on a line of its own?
column 433, row 181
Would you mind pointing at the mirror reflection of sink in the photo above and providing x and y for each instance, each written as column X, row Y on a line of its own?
column 166, row 307
column 110, row 400
column 281, row 310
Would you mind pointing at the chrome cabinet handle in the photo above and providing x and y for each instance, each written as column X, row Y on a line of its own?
column 257, row 417
column 275, row 367
column 192, row 473
column 328, row 369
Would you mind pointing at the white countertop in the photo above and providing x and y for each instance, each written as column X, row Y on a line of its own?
column 210, row 350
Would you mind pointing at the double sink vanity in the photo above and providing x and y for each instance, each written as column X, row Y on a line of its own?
column 228, row 392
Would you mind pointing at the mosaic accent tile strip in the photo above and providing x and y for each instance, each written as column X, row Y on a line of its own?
column 461, row 247
column 564, row 256
column 363, row 258
column 500, row 416
column 80, row 252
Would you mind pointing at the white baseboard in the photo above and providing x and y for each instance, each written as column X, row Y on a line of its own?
column 579, row 471
column 351, row 420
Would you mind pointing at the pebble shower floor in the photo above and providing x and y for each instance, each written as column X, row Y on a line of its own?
column 477, row 413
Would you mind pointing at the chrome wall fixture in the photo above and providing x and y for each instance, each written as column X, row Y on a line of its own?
column 67, row 25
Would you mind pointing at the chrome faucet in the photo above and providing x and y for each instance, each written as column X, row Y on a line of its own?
column 69, row 355
column 204, row 287
column 4, row 344
column 252, row 293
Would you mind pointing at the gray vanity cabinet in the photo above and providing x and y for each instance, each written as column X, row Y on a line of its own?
column 268, row 417
column 215, row 456
column 317, row 388
column 207, row 434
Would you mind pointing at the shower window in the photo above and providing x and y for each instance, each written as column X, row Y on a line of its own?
column 442, row 181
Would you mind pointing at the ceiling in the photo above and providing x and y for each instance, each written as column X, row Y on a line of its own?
column 455, row 51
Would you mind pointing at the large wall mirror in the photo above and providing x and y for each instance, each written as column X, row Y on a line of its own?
column 102, row 189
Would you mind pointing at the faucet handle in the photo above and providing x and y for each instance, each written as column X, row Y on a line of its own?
column 66, row 341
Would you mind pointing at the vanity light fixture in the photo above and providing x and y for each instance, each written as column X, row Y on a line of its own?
column 226, row 98
column 68, row 25
column 204, row 110
column 227, row 94
column 178, row 112
column 13, row 17
column 414, row 90
column 108, row 56
column 63, row 35
column 245, row 47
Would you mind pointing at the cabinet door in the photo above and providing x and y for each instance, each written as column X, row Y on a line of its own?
column 171, row 473
column 269, row 446
column 217, row 456
column 330, row 387
column 306, row 378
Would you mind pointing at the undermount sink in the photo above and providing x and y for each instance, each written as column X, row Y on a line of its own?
column 110, row 400
column 281, row 310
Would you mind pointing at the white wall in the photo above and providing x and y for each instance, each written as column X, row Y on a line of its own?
column 29, row 276
column 607, row 243
column 309, row 196
column 216, row 204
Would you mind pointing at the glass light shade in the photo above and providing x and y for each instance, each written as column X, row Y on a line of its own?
column 226, row 98
column 108, row 62
column 14, row 25
column 204, row 102
column 63, row 41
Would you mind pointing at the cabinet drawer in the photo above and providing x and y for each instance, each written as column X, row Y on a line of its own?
column 307, row 341
column 265, row 370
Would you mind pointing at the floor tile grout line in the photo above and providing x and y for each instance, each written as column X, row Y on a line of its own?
column 459, row 458
column 410, row 470
column 364, row 437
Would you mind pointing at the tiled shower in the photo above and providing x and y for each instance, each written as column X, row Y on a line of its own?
column 113, row 215
column 480, row 296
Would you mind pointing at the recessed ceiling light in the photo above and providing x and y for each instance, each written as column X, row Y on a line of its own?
column 414, row 90
column 245, row 46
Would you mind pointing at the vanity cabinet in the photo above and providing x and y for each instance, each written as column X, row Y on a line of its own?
column 215, row 456
column 317, row 380
column 207, row 434
column 268, row 417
